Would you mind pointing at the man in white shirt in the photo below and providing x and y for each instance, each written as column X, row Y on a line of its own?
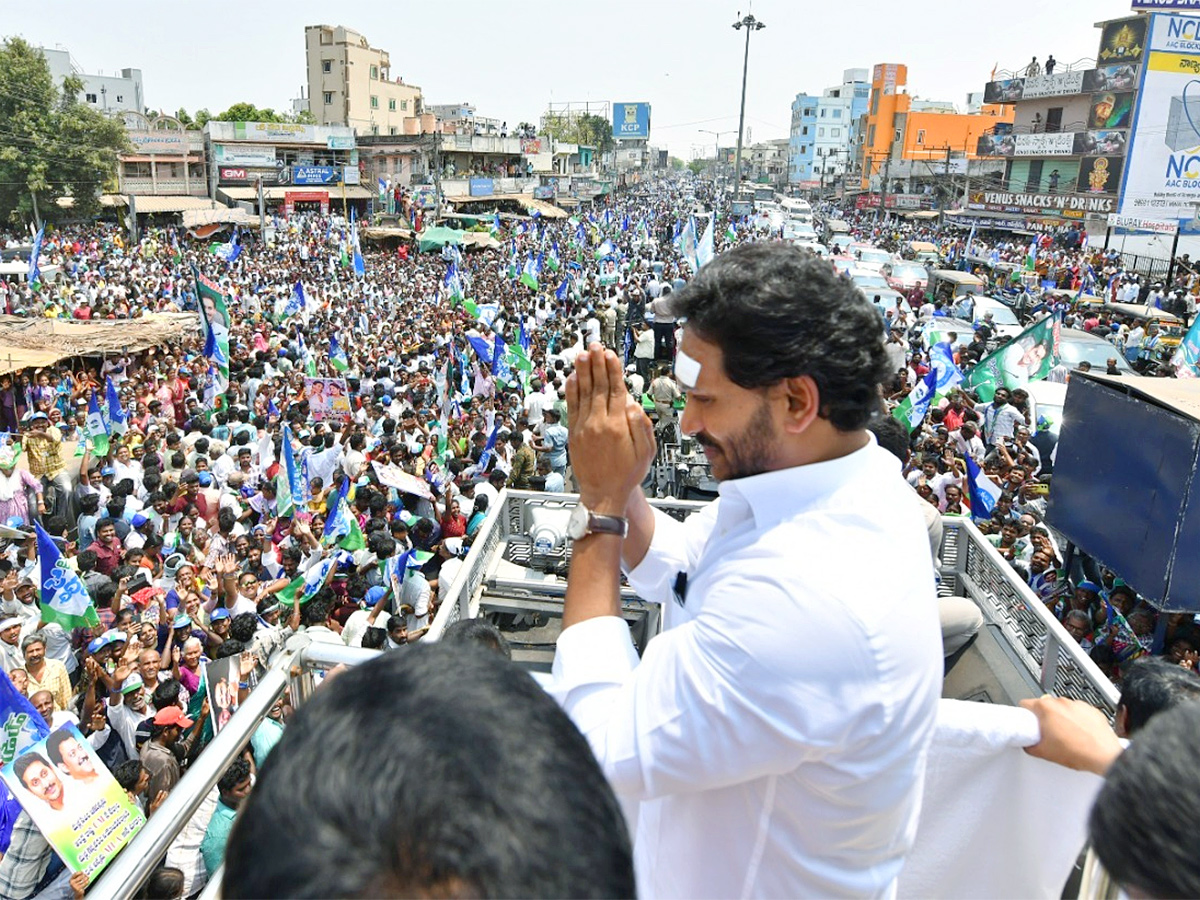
column 771, row 741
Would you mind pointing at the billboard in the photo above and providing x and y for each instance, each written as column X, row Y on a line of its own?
column 1162, row 177
column 316, row 174
column 1100, row 174
column 1166, row 6
column 1122, row 41
column 631, row 120
column 1110, row 110
column 481, row 187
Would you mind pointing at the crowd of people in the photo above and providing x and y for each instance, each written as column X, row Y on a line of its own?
column 197, row 543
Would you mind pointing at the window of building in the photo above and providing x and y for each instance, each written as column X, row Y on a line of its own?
column 374, row 73
column 820, row 132
column 392, row 104
column 404, row 104
column 374, row 129
column 91, row 98
column 920, row 135
column 196, row 171
column 837, row 113
column 327, row 66
column 875, row 104
column 374, row 102
column 835, row 132
column 392, row 130
column 328, row 97
column 822, row 112
column 871, row 135
column 804, row 130
column 137, row 170
column 120, row 99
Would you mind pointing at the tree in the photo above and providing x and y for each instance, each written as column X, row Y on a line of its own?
column 53, row 146
column 248, row 112
column 304, row 117
column 696, row 166
column 203, row 117
column 184, row 119
column 676, row 164
column 593, row 131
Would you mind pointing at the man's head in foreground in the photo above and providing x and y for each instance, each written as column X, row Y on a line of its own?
column 443, row 771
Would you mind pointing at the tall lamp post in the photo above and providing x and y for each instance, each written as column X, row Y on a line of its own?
column 717, row 154
column 750, row 24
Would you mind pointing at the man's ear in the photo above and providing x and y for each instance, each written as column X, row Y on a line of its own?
column 803, row 400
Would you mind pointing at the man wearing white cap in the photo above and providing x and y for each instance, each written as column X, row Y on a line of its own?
column 11, row 656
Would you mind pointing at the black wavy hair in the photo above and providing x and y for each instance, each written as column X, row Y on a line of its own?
column 779, row 313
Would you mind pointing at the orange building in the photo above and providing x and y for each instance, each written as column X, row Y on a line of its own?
column 898, row 127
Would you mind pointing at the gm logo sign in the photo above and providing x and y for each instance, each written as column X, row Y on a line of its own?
column 631, row 120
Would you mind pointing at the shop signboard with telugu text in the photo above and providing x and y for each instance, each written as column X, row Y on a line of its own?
column 226, row 155
column 1162, row 178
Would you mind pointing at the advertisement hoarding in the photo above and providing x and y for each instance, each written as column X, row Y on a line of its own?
column 1100, row 174
column 1162, row 178
column 1122, row 41
column 481, row 187
column 1072, row 206
column 232, row 155
column 1166, row 5
column 631, row 120
column 316, row 174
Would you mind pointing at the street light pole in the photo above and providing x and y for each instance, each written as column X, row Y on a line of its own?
column 750, row 24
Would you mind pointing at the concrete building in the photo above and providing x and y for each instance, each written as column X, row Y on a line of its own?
column 350, row 83
column 301, row 167
column 823, row 131
column 106, row 93
column 1063, row 156
column 767, row 163
column 897, row 127
column 167, row 159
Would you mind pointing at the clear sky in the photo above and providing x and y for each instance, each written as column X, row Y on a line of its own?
column 512, row 59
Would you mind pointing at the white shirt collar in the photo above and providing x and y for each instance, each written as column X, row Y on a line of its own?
column 774, row 496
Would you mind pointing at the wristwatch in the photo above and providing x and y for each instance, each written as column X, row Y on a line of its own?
column 584, row 522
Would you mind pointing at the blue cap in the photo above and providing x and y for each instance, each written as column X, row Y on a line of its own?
column 106, row 471
column 183, row 620
column 220, row 613
column 374, row 594
column 138, row 520
column 1088, row 586
column 206, row 479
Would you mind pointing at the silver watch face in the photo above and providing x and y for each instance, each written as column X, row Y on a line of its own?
column 577, row 524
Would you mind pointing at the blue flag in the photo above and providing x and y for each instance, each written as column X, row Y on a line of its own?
column 337, row 356
column 489, row 447
column 522, row 335
column 65, row 600
column 464, row 386
column 334, row 504
column 22, row 727
column 272, row 409
column 118, row 419
column 481, row 347
column 35, row 273
column 561, row 292
column 981, row 490
column 500, row 366
column 295, row 303
column 941, row 356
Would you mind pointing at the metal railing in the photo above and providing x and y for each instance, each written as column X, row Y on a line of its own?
column 1083, row 63
column 127, row 873
column 973, row 568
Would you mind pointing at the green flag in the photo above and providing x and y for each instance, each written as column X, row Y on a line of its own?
column 285, row 503
column 1028, row 358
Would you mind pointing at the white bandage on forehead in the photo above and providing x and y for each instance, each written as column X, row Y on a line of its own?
column 687, row 370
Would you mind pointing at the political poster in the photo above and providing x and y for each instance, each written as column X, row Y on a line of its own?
column 1162, row 177
column 73, row 800
column 328, row 399
column 222, row 677
column 610, row 271
column 1027, row 358
column 395, row 477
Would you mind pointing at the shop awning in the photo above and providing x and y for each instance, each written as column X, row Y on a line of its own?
column 26, row 342
column 159, row 204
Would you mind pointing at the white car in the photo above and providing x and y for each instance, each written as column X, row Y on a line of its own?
column 812, row 247
column 1004, row 320
column 876, row 289
column 868, row 257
